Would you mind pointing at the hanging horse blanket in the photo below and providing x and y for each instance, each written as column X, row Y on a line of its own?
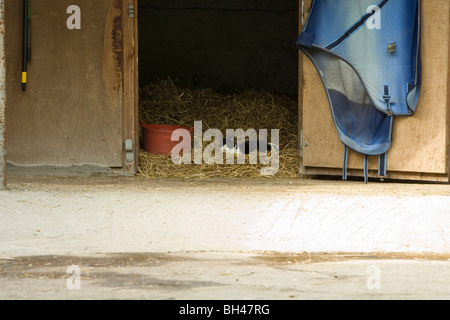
column 368, row 56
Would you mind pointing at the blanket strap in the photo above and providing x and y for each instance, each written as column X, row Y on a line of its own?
column 366, row 169
column 382, row 159
column 387, row 100
column 382, row 165
column 344, row 170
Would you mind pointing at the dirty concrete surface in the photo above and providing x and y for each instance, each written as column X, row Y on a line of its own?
column 225, row 276
column 133, row 238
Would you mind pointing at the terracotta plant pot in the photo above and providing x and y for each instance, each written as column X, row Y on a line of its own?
column 157, row 138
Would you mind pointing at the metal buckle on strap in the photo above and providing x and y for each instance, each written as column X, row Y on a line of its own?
column 387, row 100
column 388, row 105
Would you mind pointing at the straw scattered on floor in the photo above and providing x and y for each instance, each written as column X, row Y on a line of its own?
column 165, row 102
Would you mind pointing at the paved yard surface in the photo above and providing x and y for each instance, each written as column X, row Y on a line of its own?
column 225, row 275
column 131, row 238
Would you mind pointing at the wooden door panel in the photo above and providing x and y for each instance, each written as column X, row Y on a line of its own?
column 71, row 113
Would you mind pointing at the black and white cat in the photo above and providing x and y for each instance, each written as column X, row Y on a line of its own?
column 247, row 147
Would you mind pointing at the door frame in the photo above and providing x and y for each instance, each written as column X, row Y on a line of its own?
column 130, row 84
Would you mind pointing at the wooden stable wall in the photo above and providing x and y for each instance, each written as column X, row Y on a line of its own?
column 80, row 105
column 421, row 143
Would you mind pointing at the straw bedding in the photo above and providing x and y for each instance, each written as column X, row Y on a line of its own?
column 165, row 102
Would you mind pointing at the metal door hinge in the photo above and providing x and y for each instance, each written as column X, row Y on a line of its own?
column 131, row 10
column 129, row 150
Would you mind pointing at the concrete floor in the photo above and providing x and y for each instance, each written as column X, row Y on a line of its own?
column 132, row 238
column 224, row 276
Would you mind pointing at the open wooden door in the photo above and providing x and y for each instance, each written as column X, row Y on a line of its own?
column 80, row 104
column 421, row 143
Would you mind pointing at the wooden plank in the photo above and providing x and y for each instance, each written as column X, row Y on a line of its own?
column 71, row 113
column 420, row 142
column 136, row 87
column 2, row 98
column 301, row 21
column 448, row 106
column 395, row 175
column 131, row 86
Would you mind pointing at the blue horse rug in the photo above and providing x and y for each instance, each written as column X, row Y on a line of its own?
column 368, row 57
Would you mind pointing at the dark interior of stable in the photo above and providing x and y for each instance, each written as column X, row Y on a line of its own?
column 225, row 58
column 224, row 44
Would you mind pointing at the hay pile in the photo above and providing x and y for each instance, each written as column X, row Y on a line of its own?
column 165, row 102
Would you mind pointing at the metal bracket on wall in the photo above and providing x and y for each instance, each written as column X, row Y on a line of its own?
column 129, row 150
